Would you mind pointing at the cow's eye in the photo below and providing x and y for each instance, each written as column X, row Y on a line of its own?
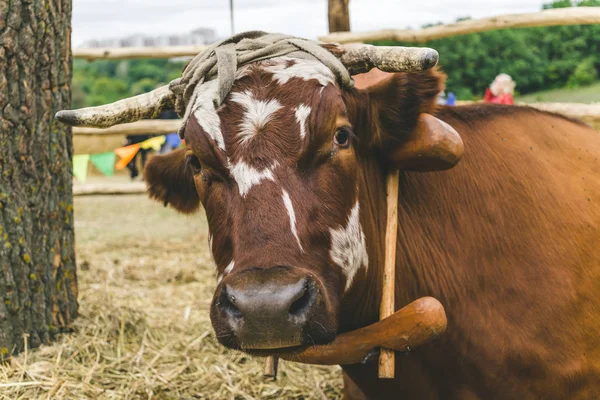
column 342, row 137
column 194, row 164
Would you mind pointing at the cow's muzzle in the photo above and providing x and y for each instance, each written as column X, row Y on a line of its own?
column 271, row 308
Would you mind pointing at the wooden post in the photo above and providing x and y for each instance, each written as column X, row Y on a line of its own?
column 387, row 357
column 339, row 16
column 271, row 365
column 231, row 16
column 554, row 17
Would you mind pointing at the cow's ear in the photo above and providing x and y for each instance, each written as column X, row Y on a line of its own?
column 403, row 128
column 171, row 182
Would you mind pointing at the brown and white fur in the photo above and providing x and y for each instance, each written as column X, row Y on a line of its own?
column 507, row 240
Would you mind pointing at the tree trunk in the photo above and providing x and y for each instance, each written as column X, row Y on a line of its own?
column 339, row 16
column 38, row 282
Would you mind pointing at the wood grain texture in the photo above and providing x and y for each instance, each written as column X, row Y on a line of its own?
column 338, row 15
column 554, row 17
column 387, row 356
column 83, row 189
column 121, row 53
column 433, row 146
column 271, row 367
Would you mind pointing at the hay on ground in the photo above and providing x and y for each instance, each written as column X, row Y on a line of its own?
column 146, row 281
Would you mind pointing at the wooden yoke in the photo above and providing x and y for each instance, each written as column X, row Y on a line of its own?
column 419, row 322
column 432, row 146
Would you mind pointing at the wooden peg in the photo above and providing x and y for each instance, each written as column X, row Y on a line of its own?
column 271, row 364
column 387, row 356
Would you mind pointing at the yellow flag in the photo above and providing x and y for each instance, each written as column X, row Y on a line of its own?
column 153, row 143
column 80, row 166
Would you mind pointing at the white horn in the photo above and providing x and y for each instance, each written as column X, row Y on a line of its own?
column 143, row 106
column 359, row 58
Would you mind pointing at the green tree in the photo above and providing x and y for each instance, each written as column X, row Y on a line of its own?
column 106, row 90
column 141, row 71
column 558, row 4
column 143, row 86
column 537, row 58
column 585, row 73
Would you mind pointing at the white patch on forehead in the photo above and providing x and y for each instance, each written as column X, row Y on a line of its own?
column 302, row 113
column 226, row 271
column 206, row 114
column 247, row 176
column 290, row 209
column 348, row 249
column 303, row 69
column 258, row 113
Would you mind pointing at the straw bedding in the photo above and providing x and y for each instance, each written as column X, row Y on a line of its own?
column 146, row 280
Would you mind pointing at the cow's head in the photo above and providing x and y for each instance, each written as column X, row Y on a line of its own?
column 280, row 170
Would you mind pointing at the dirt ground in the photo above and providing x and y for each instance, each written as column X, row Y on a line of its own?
column 146, row 279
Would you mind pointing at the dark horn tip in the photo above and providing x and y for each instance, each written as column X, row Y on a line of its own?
column 430, row 59
column 68, row 117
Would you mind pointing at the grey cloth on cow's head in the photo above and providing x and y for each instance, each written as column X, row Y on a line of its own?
column 222, row 59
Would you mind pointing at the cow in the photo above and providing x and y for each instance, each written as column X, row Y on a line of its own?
column 291, row 170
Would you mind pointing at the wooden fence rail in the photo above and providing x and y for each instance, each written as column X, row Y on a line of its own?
column 83, row 189
column 588, row 113
column 120, row 53
column 554, row 17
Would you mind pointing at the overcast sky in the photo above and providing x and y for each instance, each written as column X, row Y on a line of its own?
column 98, row 19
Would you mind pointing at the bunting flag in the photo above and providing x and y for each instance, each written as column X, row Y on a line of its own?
column 153, row 143
column 126, row 154
column 105, row 162
column 80, row 166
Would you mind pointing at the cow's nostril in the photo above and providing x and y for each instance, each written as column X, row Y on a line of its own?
column 303, row 303
column 271, row 308
column 227, row 304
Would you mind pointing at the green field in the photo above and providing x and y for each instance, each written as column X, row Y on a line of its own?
column 587, row 94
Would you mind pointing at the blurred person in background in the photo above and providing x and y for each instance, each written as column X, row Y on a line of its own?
column 142, row 153
column 441, row 98
column 172, row 140
column 451, row 100
column 501, row 91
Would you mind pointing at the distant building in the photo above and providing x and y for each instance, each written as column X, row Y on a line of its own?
column 196, row 37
